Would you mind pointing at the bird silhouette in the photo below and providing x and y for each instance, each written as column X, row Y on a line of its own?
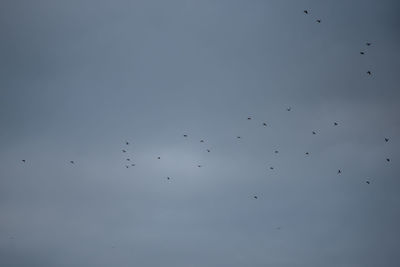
column 168, row 178
column 318, row 20
column 289, row 109
column 123, row 150
column 72, row 162
column 201, row 141
column 238, row 137
column 208, row 150
column 265, row 124
column 127, row 143
column 368, row 182
column 386, row 139
column 271, row 168
column 127, row 166
column 23, row 161
column 388, row 160
column 255, row 197
column 305, row 11
column 369, row 72
column 128, row 159
column 335, row 123
column 249, row 118
column 276, row 151
column 339, row 171
column 314, row 132
column 185, row 135
column 158, row 157
column 362, row 53
column 199, row 166
column 307, row 153
column 368, row 44
column 133, row 164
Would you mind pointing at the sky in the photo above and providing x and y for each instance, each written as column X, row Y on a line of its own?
column 78, row 79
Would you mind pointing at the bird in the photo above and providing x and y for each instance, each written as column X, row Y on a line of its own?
column 307, row 153
column 202, row 141
column 128, row 159
column 362, row 53
column 127, row 143
column 158, row 157
column 368, row 182
column 249, row 118
column 123, row 150
column 72, row 162
column 339, row 171
column 386, row 139
column 265, row 124
column 127, row 166
column 238, row 137
column 335, row 123
column 271, row 168
column 133, row 164
column 255, row 197
column 289, row 109
column 168, row 178
column 368, row 44
column 318, row 20
column 23, row 161
column 388, row 160
column 185, row 135
column 305, row 11
column 208, row 150
column 276, row 151
column 369, row 72
column 313, row 132
column 199, row 166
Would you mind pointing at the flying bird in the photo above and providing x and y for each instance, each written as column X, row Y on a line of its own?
column 265, row 124
column 314, row 132
column 72, row 162
column 158, row 157
column 368, row 44
column 318, row 20
column 133, row 164
column 128, row 159
column 388, row 160
column 307, row 153
column 249, row 118
column 202, row 141
column 276, row 151
column 199, row 166
column 369, row 72
column 362, row 53
column 127, row 143
column 23, row 161
column 368, row 182
column 127, row 166
column 289, row 109
column 271, row 168
column 386, row 139
column 335, row 123
column 305, row 11
column 208, row 150
column 339, row 171
column 168, row 178
column 255, row 197
column 123, row 150
column 238, row 137
column 185, row 135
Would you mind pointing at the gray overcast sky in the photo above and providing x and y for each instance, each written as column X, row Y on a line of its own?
column 79, row 78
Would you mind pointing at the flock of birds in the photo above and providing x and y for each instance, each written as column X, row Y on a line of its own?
column 130, row 164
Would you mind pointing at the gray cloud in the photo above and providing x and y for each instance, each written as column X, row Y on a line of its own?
column 79, row 78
